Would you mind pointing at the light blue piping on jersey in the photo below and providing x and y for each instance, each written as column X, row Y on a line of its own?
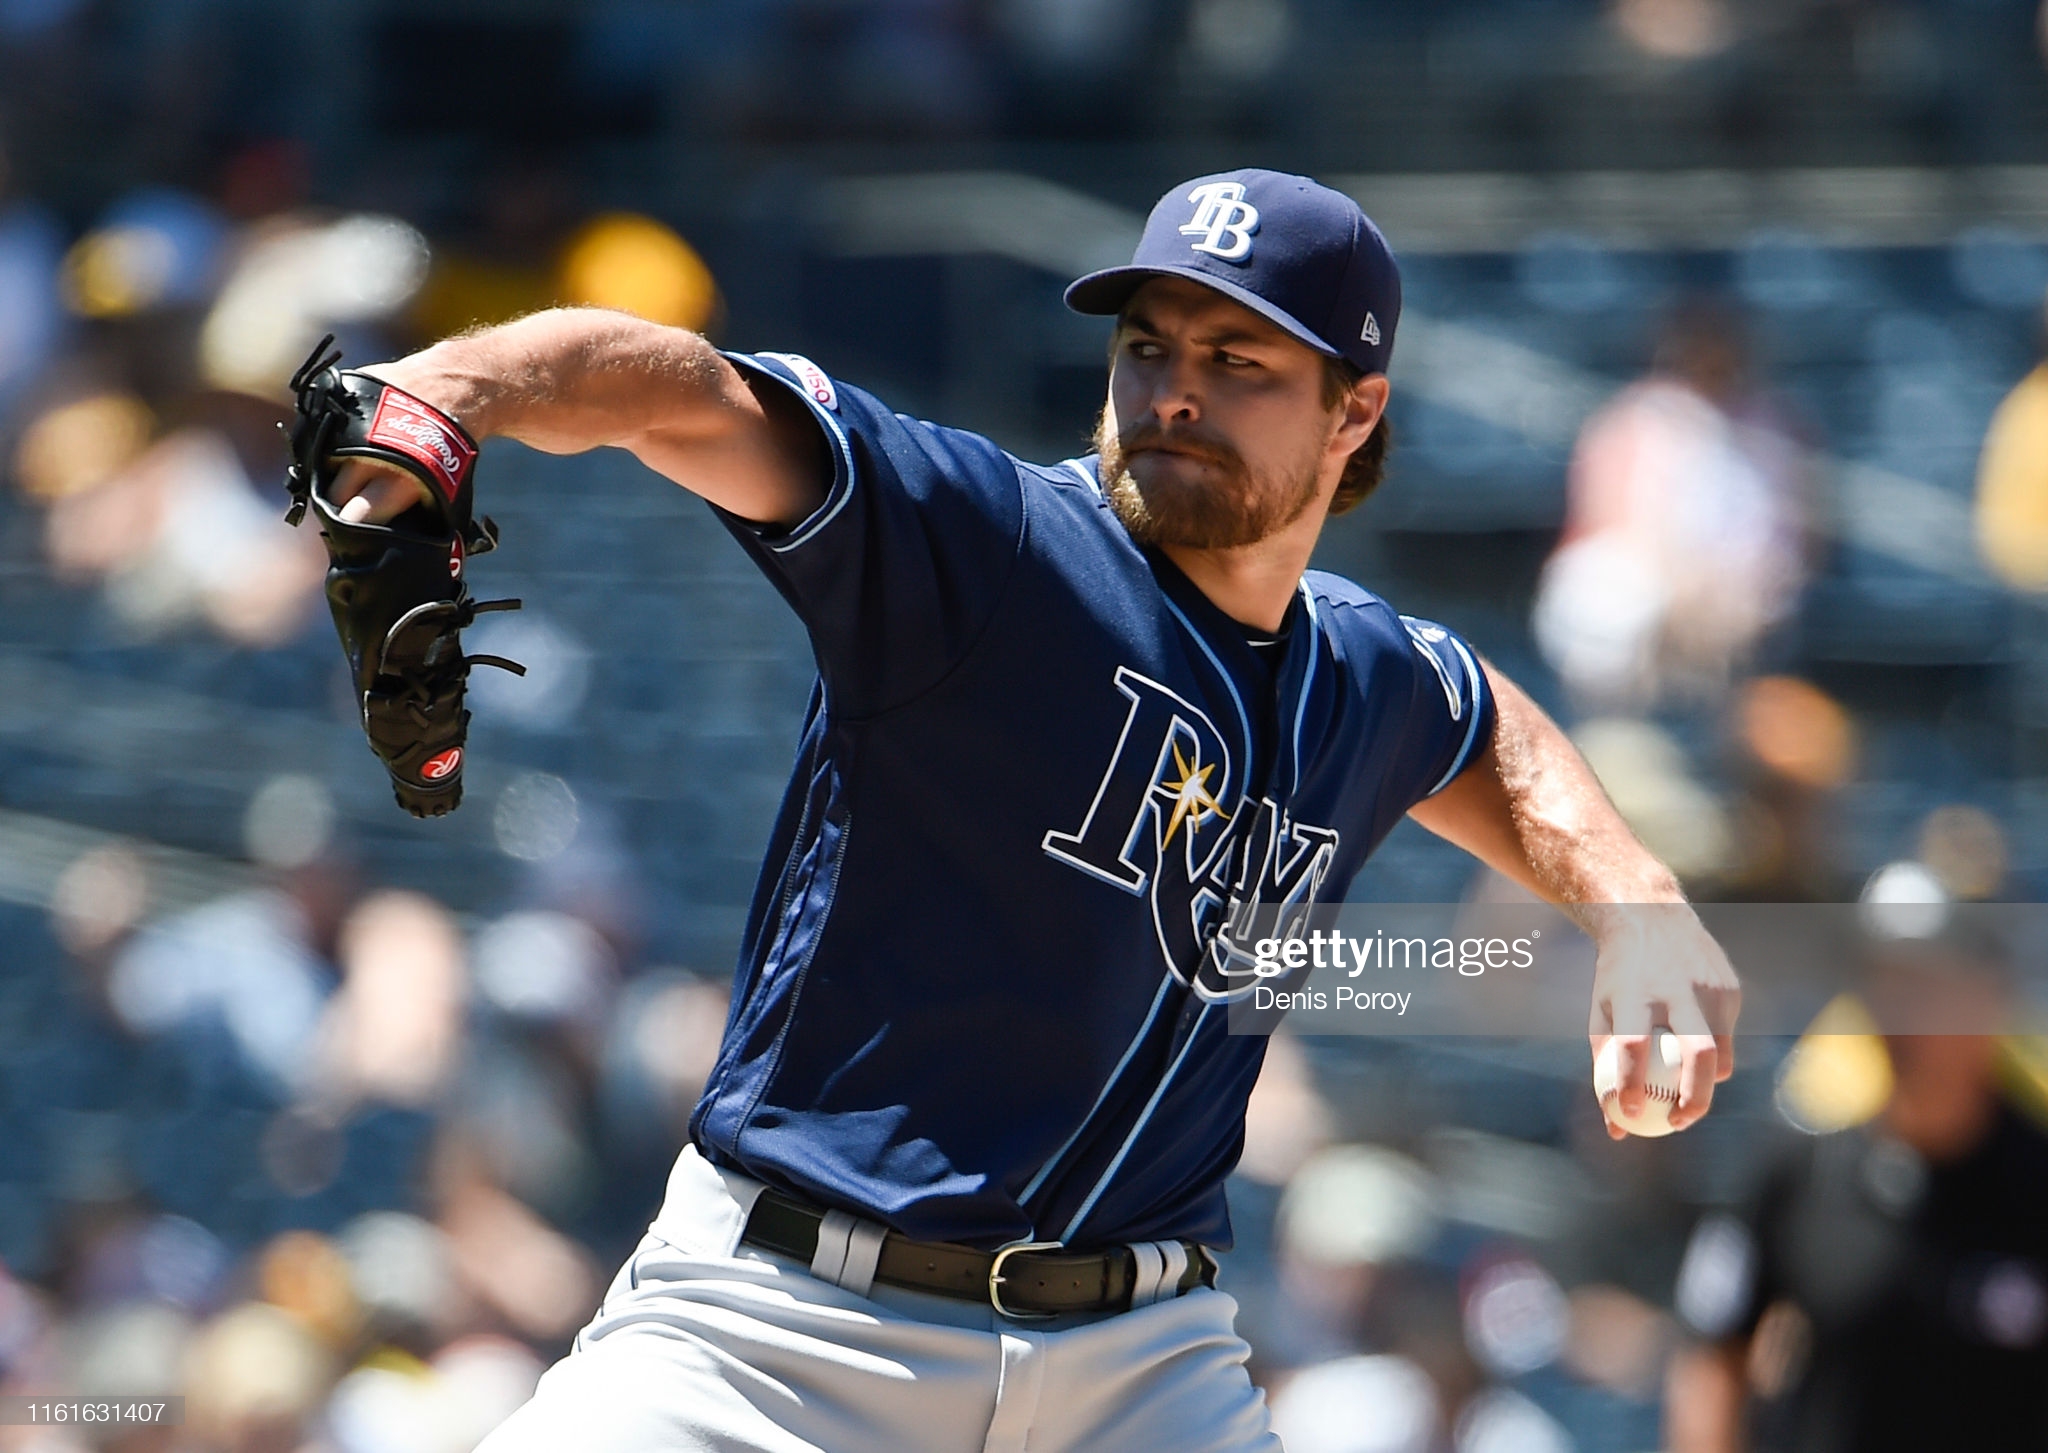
column 1151, row 1016
column 1166, row 981
column 1472, row 727
column 1244, row 722
column 1244, row 725
column 1159, row 1091
column 1308, row 605
column 1144, row 1118
column 827, row 511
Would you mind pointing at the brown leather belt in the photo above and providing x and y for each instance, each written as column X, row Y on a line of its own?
column 1028, row 1279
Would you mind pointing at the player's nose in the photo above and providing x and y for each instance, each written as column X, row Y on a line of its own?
column 1176, row 395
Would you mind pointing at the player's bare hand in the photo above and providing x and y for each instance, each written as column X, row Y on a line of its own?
column 368, row 492
column 1658, row 966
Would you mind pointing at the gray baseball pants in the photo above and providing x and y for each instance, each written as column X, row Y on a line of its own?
column 703, row 1344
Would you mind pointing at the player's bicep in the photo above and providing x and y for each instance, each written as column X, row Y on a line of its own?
column 1473, row 809
column 746, row 444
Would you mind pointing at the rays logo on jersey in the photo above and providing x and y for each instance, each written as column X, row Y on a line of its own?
column 1223, row 219
column 1215, row 875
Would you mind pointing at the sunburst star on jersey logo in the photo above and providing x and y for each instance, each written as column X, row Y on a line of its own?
column 1191, row 799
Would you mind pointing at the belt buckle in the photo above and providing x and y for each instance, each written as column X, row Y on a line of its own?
column 995, row 1278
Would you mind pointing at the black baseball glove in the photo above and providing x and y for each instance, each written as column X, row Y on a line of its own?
column 397, row 590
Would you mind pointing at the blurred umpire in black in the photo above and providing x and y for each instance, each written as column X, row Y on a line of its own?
column 1888, row 1288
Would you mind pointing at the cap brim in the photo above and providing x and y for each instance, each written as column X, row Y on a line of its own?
column 1105, row 293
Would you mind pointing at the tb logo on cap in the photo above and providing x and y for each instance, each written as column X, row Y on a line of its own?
column 1223, row 219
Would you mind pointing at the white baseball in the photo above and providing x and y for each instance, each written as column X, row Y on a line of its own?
column 1660, row 1080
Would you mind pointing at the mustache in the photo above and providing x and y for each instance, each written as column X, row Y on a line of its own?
column 1150, row 436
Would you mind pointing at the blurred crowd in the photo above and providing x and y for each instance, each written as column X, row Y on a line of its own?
column 316, row 1155
column 184, row 77
column 1686, row 534
column 142, row 362
column 322, row 1159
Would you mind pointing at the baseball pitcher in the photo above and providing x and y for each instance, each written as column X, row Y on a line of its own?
column 957, row 1179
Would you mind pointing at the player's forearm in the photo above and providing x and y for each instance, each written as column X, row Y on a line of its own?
column 1579, row 850
column 1530, row 807
column 566, row 380
column 572, row 379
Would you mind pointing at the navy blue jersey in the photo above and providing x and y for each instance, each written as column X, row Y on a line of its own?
column 983, row 989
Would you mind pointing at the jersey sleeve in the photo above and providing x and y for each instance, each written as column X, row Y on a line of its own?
column 1450, row 713
column 1419, row 693
column 898, row 571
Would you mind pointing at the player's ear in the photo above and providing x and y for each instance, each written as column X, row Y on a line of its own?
column 1362, row 404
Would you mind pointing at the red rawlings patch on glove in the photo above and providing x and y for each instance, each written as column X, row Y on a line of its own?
column 422, row 435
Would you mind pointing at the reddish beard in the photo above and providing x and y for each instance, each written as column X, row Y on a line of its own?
column 1229, row 509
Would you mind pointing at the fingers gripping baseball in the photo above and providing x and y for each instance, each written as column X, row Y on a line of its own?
column 1660, row 969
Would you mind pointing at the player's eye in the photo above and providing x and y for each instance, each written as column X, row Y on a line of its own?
column 1145, row 348
column 1235, row 360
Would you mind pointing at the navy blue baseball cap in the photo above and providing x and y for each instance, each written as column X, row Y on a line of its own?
column 1290, row 249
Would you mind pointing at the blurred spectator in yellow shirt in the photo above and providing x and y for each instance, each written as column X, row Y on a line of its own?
column 2012, row 486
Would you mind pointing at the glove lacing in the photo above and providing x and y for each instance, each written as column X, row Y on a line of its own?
column 419, row 690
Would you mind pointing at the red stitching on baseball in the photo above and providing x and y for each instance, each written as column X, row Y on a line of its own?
column 1655, row 1092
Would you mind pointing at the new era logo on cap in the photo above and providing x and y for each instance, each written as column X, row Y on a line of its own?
column 1290, row 249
